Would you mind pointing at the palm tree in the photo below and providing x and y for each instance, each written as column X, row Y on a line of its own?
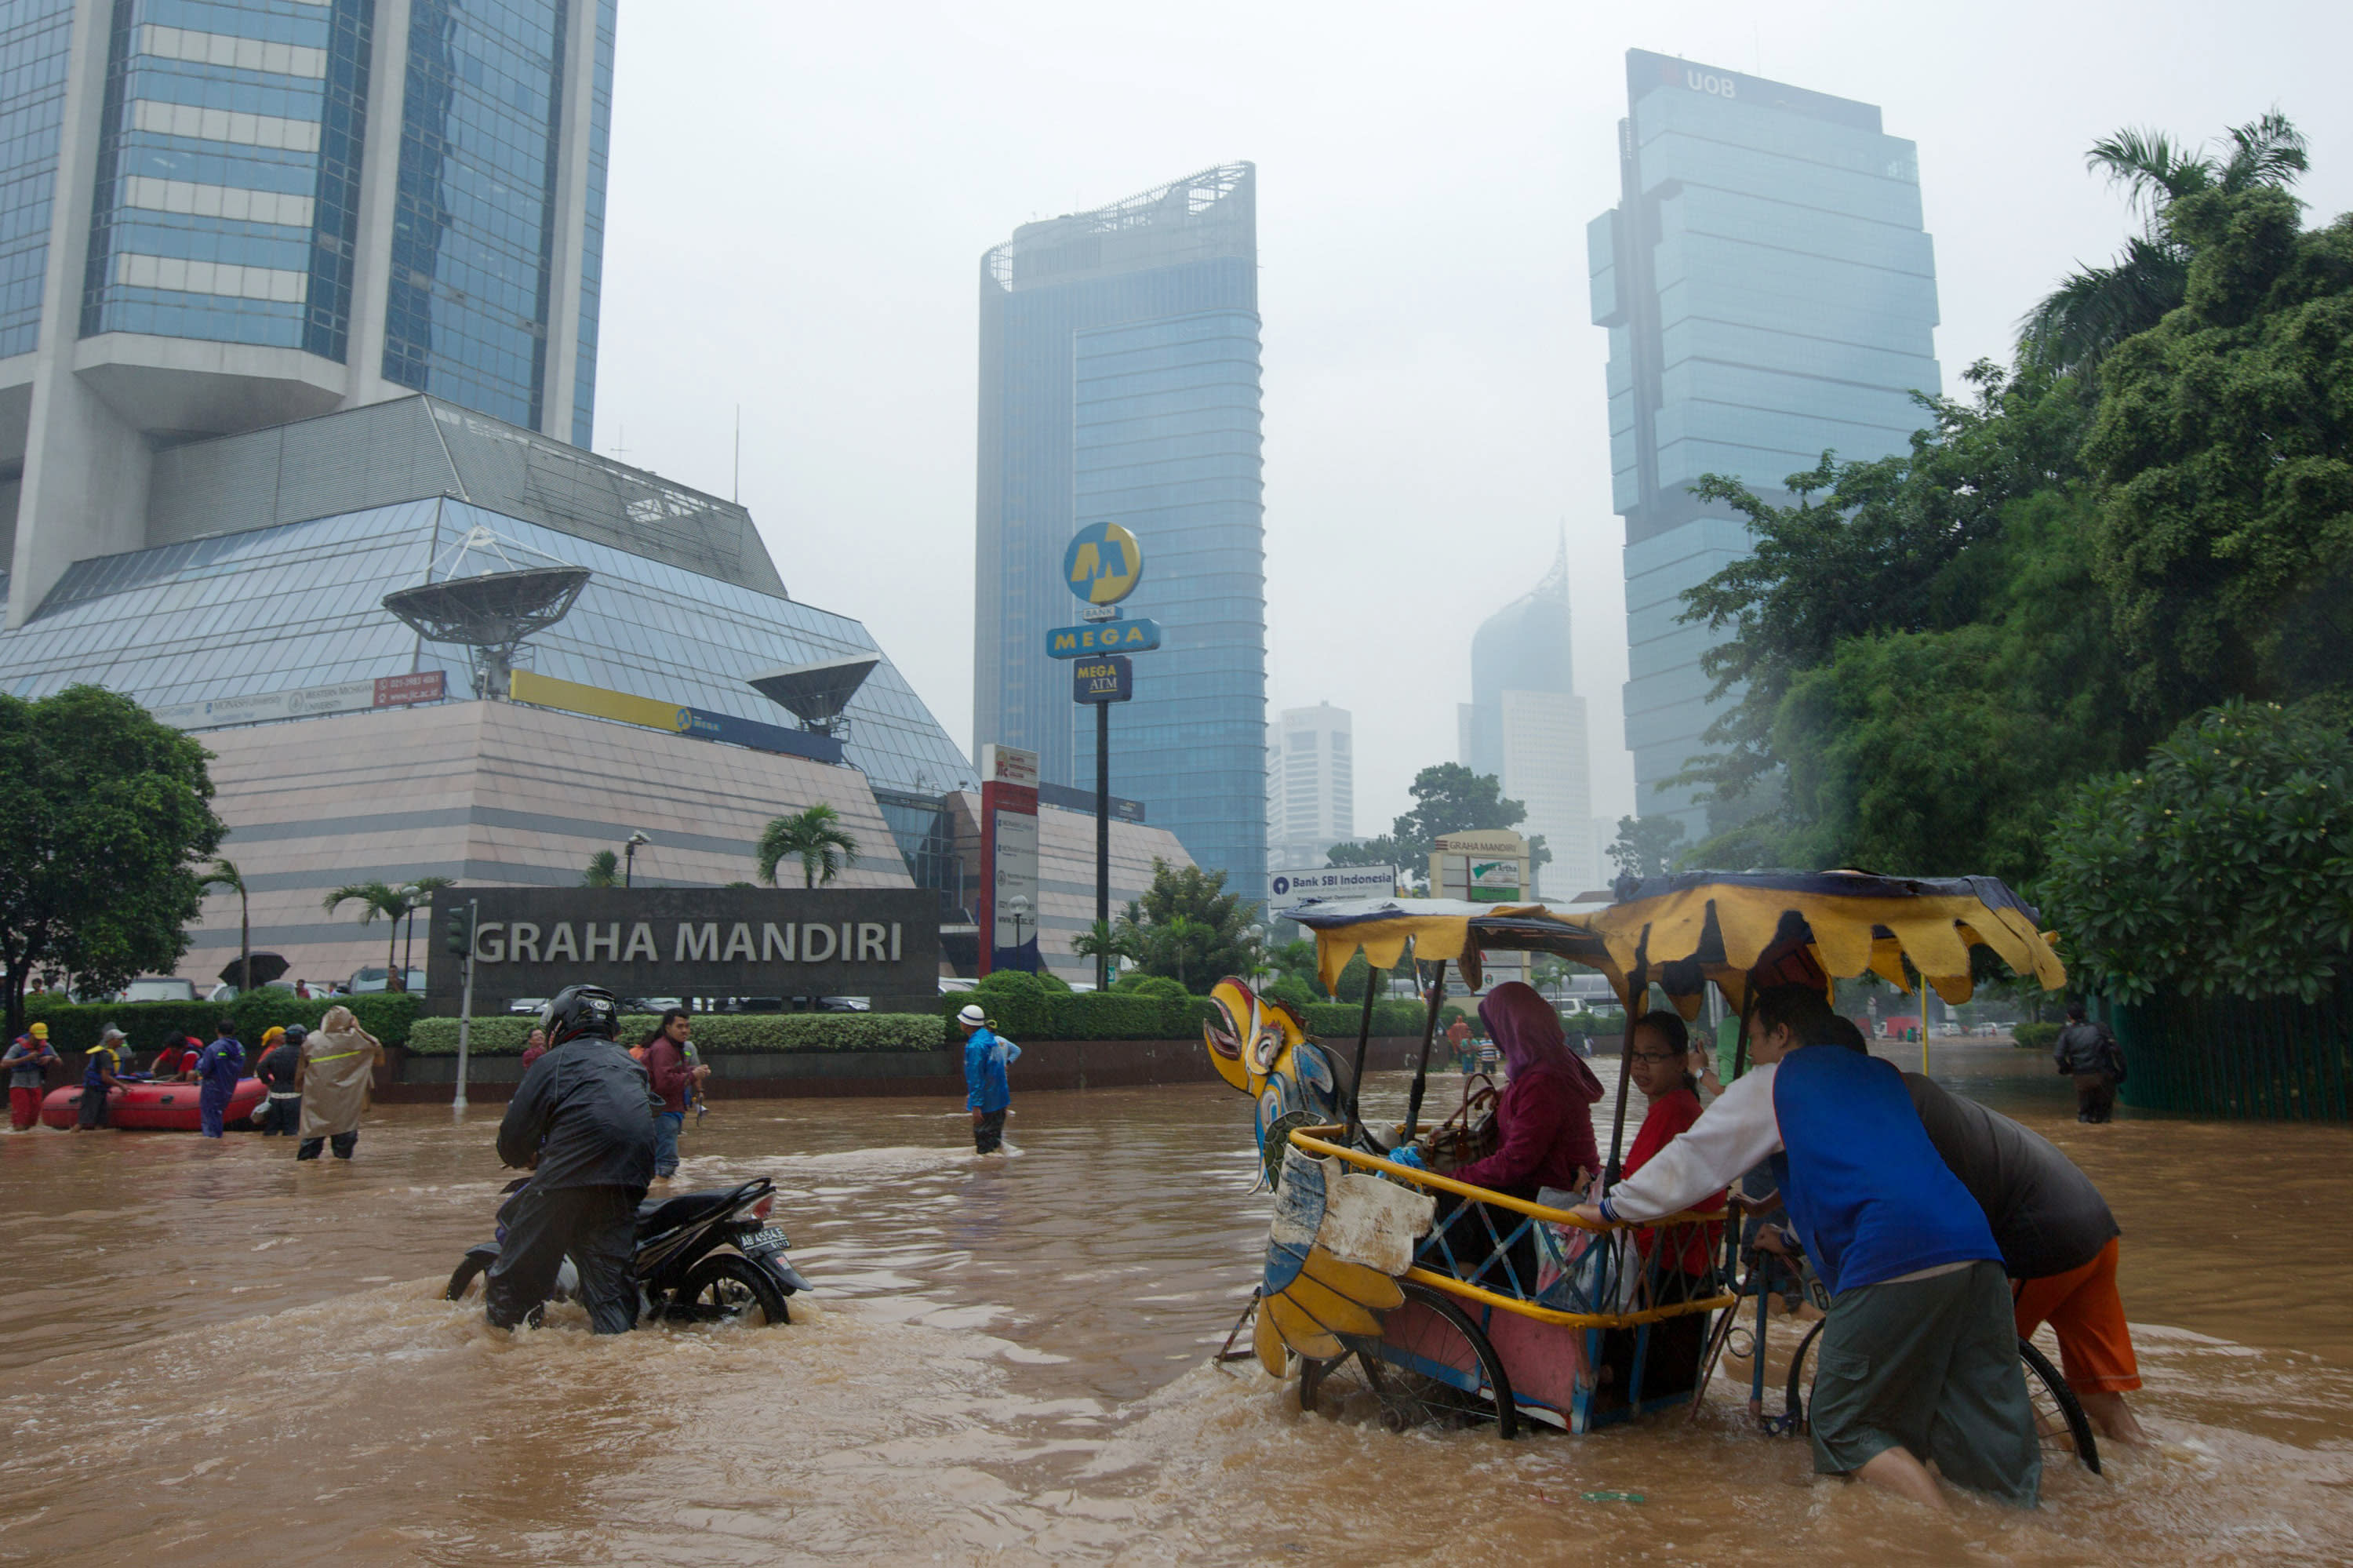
column 1106, row 944
column 1184, row 934
column 376, row 898
column 224, row 873
column 2096, row 308
column 816, row 836
column 604, row 870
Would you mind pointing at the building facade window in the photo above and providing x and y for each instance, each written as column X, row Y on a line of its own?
column 36, row 50
column 591, row 244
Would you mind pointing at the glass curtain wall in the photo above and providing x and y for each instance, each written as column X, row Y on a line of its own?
column 473, row 228
column 36, row 48
column 592, row 246
column 227, row 198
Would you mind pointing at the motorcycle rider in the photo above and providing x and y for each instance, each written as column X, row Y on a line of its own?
column 582, row 1122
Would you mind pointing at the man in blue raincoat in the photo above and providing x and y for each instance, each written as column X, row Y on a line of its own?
column 987, row 1093
column 218, row 1067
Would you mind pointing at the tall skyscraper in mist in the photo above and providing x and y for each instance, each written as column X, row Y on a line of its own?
column 1312, row 783
column 1771, row 294
column 223, row 216
column 1524, row 723
column 1119, row 381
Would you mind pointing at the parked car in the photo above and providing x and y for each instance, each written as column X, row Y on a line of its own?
column 228, row 992
column 650, row 1004
column 159, row 988
column 533, row 1005
column 845, row 1004
column 956, row 985
column 377, row 978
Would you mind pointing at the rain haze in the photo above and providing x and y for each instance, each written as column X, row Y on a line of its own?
column 801, row 195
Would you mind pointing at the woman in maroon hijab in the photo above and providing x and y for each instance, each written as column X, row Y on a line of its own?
column 1544, row 1121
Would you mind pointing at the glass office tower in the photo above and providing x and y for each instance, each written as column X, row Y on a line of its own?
column 1119, row 381
column 1770, row 294
column 217, row 216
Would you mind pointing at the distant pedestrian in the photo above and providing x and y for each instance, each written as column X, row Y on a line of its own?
column 28, row 1061
column 988, row 1095
column 302, row 989
column 2087, row 1053
column 337, row 1076
column 280, row 1072
column 218, row 1067
column 102, row 1067
column 534, row 1048
column 663, row 1052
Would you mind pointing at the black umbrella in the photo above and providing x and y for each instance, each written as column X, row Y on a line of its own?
column 267, row 967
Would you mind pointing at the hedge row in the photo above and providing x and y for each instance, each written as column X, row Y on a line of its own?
column 75, row 1026
column 504, row 1035
column 1120, row 1015
column 2035, row 1036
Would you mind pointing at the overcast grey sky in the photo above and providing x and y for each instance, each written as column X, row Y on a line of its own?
column 800, row 197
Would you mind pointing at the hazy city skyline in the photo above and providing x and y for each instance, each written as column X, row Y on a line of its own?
column 1427, row 398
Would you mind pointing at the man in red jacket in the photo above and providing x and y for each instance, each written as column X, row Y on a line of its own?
column 666, row 1065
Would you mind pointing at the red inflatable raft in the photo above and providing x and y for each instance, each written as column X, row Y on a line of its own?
column 153, row 1107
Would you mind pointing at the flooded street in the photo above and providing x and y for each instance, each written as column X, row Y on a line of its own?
column 212, row 1355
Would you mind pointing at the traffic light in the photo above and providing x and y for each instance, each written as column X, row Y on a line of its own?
column 457, row 933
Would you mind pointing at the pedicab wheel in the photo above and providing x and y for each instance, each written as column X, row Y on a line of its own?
column 461, row 1279
column 1432, row 1367
column 2061, row 1426
column 726, row 1289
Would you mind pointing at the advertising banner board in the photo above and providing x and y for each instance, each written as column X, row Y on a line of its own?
column 1289, row 889
column 689, row 942
column 344, row 697
column 1008, row 854
column 571, row 696
column 1106, row 680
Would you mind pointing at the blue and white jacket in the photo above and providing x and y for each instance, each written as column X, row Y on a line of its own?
column 984, row 1059
column 1870, row 1196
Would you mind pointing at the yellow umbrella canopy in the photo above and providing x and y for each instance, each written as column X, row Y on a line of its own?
column 1682, row 931
column 1445, row 928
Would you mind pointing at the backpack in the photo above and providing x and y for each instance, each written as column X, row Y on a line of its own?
column 2112, row 1053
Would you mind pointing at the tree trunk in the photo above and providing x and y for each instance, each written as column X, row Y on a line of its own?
column 392, row 978
column 244, row 943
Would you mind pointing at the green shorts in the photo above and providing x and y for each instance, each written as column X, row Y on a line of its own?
column 1931, row 1364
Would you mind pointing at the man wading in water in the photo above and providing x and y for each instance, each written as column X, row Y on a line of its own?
column 987, row 1093
column 1919, row 1359
column 582, row 1122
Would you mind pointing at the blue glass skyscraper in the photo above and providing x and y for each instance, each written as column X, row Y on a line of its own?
column 1770, row 294
column 1119, row 381
column 221, row 215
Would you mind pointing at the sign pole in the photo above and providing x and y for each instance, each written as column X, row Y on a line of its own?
column 465, row 1005
column 1102, row 841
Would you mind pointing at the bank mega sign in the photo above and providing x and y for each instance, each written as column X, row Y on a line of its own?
column 689, row 941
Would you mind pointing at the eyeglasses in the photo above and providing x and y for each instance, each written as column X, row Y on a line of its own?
column 1657, row 1056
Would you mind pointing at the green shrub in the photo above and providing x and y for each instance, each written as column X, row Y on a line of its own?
column 1150, row 985
column 2035, row 1036
column 505, row 1035
column 1294, row 990
column 74, row 1026
column 1339, row 1020
column 1021, row 982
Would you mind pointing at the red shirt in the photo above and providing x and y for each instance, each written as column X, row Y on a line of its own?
column 1545, row 1123
column 1669, row 1117
column 666, row 1065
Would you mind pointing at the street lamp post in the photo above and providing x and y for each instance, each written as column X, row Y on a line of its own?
column 1018, row 911
column 629, row 858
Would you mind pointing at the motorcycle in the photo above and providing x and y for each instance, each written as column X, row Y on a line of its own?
column 702, row 1257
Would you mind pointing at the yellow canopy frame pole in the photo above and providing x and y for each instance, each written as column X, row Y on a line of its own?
column 1923, row 1026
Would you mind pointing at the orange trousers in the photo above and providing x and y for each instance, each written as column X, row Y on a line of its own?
column 2083, row 1309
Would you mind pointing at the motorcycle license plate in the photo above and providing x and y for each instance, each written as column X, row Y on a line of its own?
column 769, row 1239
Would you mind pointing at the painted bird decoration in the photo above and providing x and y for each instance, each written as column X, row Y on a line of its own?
column 1261, row 1047
column 1335, row 1251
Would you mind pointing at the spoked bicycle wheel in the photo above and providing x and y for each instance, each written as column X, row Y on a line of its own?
column 2060, row 1424
column 1430, row 1367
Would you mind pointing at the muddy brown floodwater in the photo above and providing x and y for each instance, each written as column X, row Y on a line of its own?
column 210, row 1355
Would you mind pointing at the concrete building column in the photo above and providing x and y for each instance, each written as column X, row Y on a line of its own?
column 571, row 203
column 387, row 100
column 86, row 469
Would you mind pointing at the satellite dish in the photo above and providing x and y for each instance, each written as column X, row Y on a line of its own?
column 817, row 693
column 491, row 595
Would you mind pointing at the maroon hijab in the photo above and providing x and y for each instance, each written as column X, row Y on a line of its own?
column 1526, row 1029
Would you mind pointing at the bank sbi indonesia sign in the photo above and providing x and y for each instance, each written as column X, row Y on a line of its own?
column 689, row 942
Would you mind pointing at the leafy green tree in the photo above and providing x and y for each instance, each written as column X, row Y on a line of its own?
column 1189, row 928
column 224, row 874
column 2096, row 308
column 2222, row 865
column 816, row 836
column 2224, row 449
column 102, row 811
column 1647, row 846
column 1106, row 943
column 604, row 870
column 393, row 904
column 1448, row 798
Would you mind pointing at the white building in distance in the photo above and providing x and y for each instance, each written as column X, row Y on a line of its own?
column 1310, row 801
column 1526, row 724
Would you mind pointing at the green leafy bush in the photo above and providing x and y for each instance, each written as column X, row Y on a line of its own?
column 1021, row 982
column 1339, row 1020
column 75, row 1026
column 713, row 1033
column 2223, row 867
column 1149, row 985
column 2035, row 1036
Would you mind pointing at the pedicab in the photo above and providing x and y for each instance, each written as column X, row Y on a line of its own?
column 1402, row 1292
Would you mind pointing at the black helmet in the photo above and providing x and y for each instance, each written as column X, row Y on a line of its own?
column 580, row 1010
column 296, row 1035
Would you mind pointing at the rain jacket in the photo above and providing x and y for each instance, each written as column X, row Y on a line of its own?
column 986, row 1056
column 28, row 1062
column 582, row 1117
column 220, row 1064
column 338, row 1074
column 2083, row 1048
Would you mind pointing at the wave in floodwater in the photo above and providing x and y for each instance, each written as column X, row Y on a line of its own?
column 212, row 1356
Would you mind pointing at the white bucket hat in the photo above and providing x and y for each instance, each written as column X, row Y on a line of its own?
column 972, row 1013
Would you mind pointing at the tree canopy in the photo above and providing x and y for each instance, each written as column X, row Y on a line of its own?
column 103, row 814
column 1448, row 798
column 1189, row 928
